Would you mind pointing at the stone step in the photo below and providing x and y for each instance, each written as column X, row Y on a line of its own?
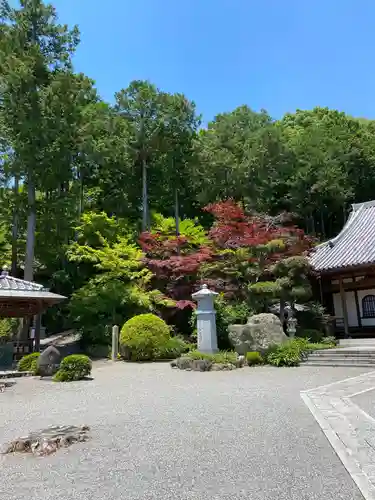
column 342, row 358
column 344, row 354
column 339, row 362
column 356, row 342
column 14, row 374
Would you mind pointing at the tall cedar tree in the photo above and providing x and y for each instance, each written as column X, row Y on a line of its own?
column 34, row 51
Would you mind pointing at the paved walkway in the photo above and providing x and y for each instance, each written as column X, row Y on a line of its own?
column 160, row 434
column 350, row 430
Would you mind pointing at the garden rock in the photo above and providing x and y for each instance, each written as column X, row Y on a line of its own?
column 48, row 362
column 201, row 365
column 183, row 363
column 48, row 441
column 216, row 367
column 260, row 332
column 241, row 361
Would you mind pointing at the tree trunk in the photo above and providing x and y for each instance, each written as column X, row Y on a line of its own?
column 31, row 195
column 176, row 212
column 282, row 315
column 31, row 224
column 81, row 194
column 14, row 265
column 144, row 196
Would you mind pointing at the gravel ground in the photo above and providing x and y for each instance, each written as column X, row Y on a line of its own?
column 366, row 401
column 163, row 434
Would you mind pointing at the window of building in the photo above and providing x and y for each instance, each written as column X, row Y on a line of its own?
column 368, row 306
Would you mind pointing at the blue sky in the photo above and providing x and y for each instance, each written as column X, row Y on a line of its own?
column 274, row 54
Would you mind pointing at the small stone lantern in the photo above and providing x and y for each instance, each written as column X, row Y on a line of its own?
column 206, row 320
column 292, row 326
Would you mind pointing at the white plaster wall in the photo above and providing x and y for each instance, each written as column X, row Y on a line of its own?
column 361, row 294
column 350, row 305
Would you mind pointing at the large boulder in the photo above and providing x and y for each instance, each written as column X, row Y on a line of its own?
column 260, row 332
column 48, row 362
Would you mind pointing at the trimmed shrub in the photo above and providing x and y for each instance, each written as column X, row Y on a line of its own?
column 25, row 363
column 73, row 367
column 143, row 337
column 254, row 358
column 34, row 367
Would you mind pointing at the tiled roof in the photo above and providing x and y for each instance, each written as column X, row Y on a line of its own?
column 15, row 287
column 353, row 246
column 10, row 283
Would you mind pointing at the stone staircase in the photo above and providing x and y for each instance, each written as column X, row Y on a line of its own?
column 350, row 352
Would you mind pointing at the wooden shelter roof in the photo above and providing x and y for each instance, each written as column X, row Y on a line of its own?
column 19, row 298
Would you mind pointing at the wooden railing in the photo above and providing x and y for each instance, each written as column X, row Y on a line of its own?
column 20, row 348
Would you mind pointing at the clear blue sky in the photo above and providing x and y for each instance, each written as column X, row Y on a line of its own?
column 274, row 54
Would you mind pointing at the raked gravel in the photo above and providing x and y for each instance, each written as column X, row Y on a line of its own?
column 159, row 433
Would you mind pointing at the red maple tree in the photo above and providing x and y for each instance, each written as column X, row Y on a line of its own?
column 174, row 264
column 246, row 245
column 178, row 267
column 234, row 229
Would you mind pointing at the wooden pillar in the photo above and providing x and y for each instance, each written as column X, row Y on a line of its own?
column 37, row 323
column 344, row 308
column 358, row 309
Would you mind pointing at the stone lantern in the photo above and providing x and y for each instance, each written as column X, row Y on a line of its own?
column 292, row 326
column 206, row 320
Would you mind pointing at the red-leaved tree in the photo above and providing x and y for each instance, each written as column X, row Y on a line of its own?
column 245, row 246
column 175, row 265
column 239, row 251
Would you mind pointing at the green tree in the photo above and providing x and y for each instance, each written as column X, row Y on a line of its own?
column 177, row 156
column 224, row 167
column 141, row 105
column 35, row 53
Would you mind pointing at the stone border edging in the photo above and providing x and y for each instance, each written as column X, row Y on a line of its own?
column 14, row 374
column 345, row 425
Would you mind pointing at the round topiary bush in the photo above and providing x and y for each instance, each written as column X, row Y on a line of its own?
column 73, row 367
column 143, row 337
column 25, row 363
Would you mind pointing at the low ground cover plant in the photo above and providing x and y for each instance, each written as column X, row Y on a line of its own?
column 254, row 358
column 218, row 357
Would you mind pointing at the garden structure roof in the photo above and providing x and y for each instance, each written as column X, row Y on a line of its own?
column 19, row 298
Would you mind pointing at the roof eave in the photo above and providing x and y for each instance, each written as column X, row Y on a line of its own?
column 343, row 269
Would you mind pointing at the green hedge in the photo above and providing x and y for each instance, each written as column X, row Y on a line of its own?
column 73, row 367
column 25, row 363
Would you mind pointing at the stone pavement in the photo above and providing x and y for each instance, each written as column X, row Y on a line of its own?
column 161, row 434
column 349, row 429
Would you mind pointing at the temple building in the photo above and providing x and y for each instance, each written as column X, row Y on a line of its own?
column 345, row 268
